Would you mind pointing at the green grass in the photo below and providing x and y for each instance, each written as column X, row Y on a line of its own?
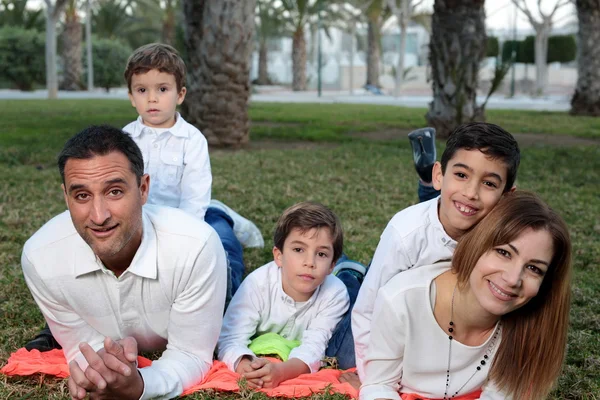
column 364, row 181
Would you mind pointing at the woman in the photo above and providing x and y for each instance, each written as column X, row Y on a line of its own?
column 492, row 324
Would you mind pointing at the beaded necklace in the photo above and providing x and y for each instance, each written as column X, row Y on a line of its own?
column 483, row 361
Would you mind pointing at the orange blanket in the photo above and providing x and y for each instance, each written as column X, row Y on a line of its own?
column 53, row 362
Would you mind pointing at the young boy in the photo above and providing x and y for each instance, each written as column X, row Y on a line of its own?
column 175, row 152
column 477, row 167
column 293, row 296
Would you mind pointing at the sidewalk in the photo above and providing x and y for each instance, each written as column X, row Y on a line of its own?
column 360, row 96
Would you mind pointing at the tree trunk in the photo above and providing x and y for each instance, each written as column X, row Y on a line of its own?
column 218, row 39
column 52, row 13
column 51, row 75
column 402, row 50
column 373, row 52
column 299, row 60
column 586, row 100
column 263, row 72
column 456, row 48
column 168, row 28
column 88, row 45
column 73, row 68
column 541, row 59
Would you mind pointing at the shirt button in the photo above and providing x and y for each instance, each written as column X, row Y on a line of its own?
column 156, row 145
column 444, row 240
column 174, row 158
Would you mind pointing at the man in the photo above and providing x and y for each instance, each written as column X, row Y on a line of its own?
column 112, row 277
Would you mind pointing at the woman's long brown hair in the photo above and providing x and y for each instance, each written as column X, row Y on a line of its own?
column 534, row 337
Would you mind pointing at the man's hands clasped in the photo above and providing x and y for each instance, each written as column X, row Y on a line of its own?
column 111, row 374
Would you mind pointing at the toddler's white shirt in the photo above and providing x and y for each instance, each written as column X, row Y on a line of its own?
column 178, row 164
column 414, row 237
column 261, row 306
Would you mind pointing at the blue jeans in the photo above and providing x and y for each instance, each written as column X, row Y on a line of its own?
column 341, row 344
column 427, row 192
column 223, row 225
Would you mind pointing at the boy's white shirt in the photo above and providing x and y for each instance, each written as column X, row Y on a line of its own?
column 414, row 237
column 178, row 164
column 261, row 306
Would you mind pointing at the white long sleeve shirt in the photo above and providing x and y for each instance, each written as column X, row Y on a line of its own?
column 178, row 164
column 261, row 306
column 408, row 350
column 414, row 237
column 171, row 296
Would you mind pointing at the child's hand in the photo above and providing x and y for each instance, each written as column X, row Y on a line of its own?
column 250, row 364
column 269, row 375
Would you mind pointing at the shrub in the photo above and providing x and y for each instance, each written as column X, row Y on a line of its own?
column 562, row 48
column 109, row 59
column 492, row 47
column 22, row 57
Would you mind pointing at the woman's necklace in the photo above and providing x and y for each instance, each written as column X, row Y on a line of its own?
column 483, row 361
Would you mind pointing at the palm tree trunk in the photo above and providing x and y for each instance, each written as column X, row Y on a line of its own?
column 456, row 48
column 263, row 72
column 373, row 52
column 72, row 51
column 218, row 39
column 168, row 27
column 586, row 100
column 299, row 60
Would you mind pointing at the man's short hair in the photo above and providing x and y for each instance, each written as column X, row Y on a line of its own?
column 491, row 140
column 306, row 216
column 99, row 141
column 158, row 56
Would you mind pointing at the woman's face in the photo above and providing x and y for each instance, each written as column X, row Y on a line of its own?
column 508, row 276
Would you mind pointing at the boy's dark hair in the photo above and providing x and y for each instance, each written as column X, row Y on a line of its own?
column 99, row 141
column 155, row 56
column 306, row 216
column 491, row 140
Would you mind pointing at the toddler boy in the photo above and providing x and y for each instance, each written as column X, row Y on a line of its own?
column 175, row 152
column 293, row 296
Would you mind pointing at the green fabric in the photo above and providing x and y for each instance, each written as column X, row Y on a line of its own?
column 272, row 343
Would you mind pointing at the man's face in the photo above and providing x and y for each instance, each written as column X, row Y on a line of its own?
column 105, row 203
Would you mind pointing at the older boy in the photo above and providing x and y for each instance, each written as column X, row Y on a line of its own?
column 293, row 296
column 478, row 166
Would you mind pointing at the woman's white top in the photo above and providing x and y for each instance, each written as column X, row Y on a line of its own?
column 408, row 350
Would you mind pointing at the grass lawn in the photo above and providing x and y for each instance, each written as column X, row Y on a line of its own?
column 303, row 152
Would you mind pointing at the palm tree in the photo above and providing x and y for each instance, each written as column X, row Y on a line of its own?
column 377, row 13
column 270, row 24
column 456, row 48
column 301, row 13
column 586, row 100
column 71, row 48
column 16, row 13
column 135, row 22
column 53, row 11
column 218, row 38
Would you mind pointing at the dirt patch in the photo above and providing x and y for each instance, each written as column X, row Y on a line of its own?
column 524, row 139
column 270, row 144
column 270, row 124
